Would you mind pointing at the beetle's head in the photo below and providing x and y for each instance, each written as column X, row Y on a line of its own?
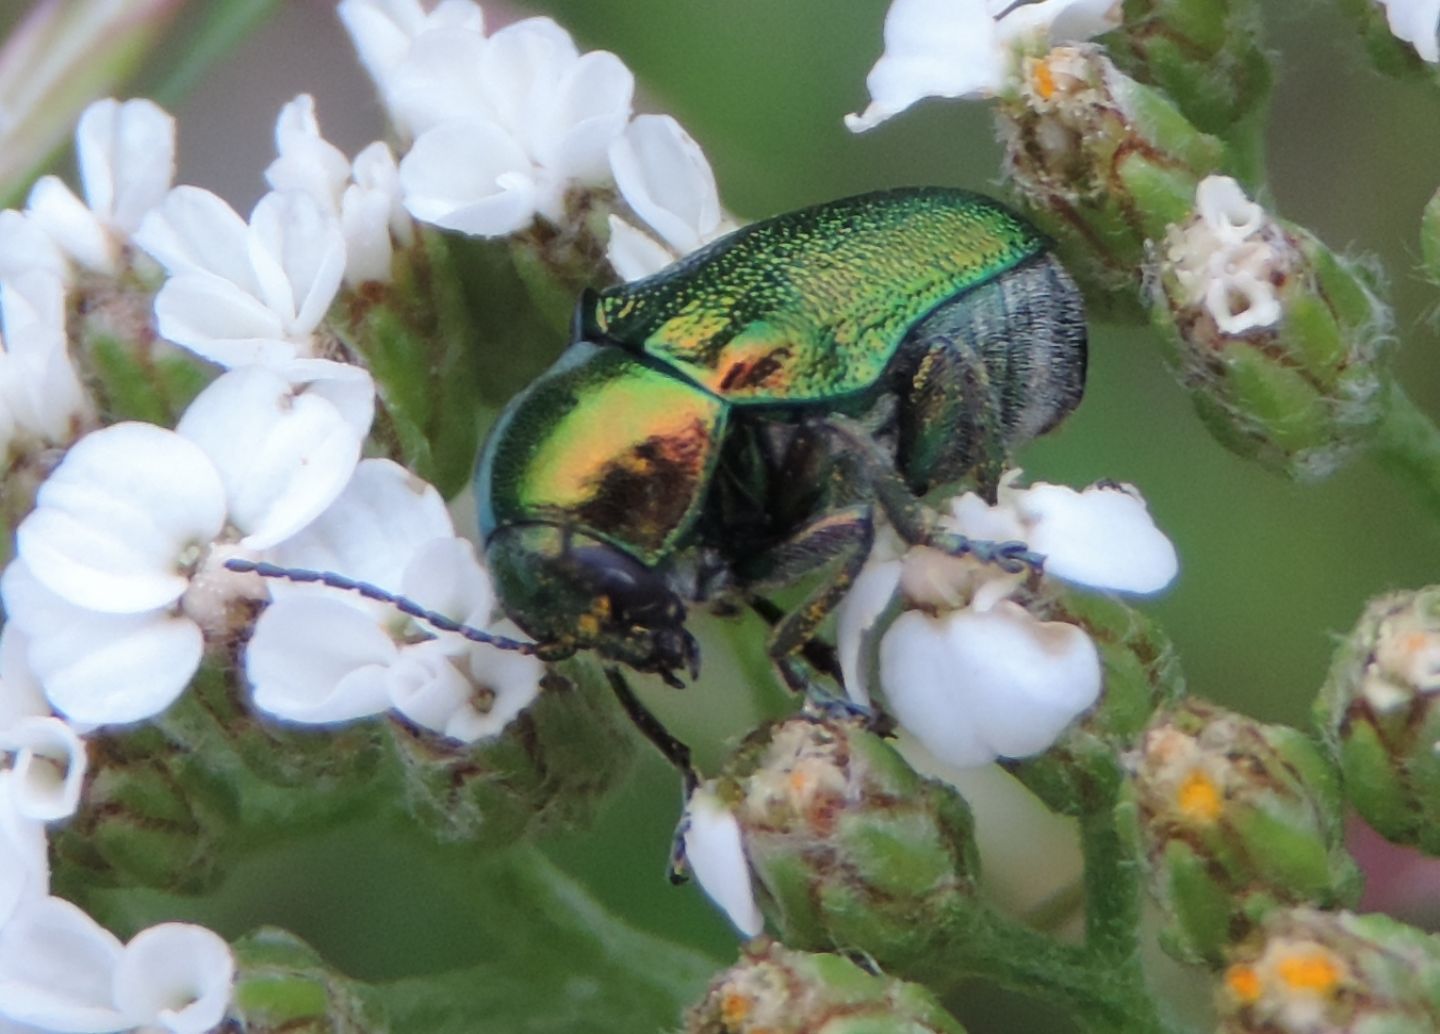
column 570, row 589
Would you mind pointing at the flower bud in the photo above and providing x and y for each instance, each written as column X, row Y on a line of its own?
column 1234, row 818
column 1312, row 972
column 1273, row 335
column 849, row 846
column 1380, row 711
column 1102, row 163
column 549, row 769
column 1208, row 59
column 282, row 984
column 1141, row 672
column 773, row 990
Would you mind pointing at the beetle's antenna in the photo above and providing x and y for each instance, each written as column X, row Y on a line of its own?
column 372, row 592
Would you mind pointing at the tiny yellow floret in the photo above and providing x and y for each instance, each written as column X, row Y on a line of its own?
column 1315, row 972
column 1243, row 983
column 734, row 1009
column 1199, row 798
column 1043, row 80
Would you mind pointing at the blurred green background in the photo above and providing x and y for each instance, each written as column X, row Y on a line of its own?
column 1271, row 571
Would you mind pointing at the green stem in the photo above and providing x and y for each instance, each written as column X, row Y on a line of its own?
column 1112, row 890
column 1407, row 443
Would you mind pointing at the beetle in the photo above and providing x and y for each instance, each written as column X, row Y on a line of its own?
column 737, row 421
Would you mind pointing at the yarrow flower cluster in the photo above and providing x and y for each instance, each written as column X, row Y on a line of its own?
column 968, row 48
column 1228, row 258
column 967, row 669
column 505, row 128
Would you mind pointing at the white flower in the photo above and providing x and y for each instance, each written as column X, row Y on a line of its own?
column 321, row 655
column 364, row 197
column 974, row 676
column 383, row 30
column 976, row 685
column 1417, row 22
column 25, row 247
column 126, row 154
column 967, row 48
column 24, row 858
column 40, row 393
column 48, row 769
column 504, row 126
column 663, row 176
column 715, row 853
column 125, row 528
column 1227, row 258
column 242, row 293
column 62, row 971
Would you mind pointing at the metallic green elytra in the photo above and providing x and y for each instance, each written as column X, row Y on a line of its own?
column 737, row 420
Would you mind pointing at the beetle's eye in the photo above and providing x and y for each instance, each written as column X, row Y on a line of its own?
column 638, row 595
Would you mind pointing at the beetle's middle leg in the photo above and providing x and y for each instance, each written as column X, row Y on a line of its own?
column 840, row 539
column 675, row 752
column 914, row 521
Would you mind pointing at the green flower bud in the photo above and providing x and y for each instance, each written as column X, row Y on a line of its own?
column 1312, row 972
column 1102, row 163
column 1208, row 59
column 549, row 770
column 282, row 984
column 1234, row 818
column 1274, row 336
column 774, row 990
column 1380, row 711
column 848, row 846
column 1141, row 673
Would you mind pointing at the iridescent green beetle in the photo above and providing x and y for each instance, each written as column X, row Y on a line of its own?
column 736, row 421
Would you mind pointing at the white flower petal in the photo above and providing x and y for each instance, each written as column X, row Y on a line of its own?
column 1226, row 210
column 24, row 858
column 508, row 682
column 26, row 247
column 176, row 976
column 113, row 524
column 298, row 253
column 372, row 531
column 318, row 660
column 589, row 111
column 283, row 454
column 438, row 81
column 1057, row 21
column 365, row 221
column 1417, row 22
column 56, row 968
column 307, row 162
column 20, row 693
column 219, row 321
column 469, row 176
column 634, row 254
column 40, row 391
column 49, row 768
column 425, row 686
column 71, row 225
column 715, row 852
column 384, row 30
column 664, row 177
column 347, row 387
column 1241, row 302
column 96, row 668
column 933, row 48
column 193, row 230
column 126, row 154
column 1102, row 537
column 975, row 686
column 520, row 72
column 444, row 575
column 857, row 614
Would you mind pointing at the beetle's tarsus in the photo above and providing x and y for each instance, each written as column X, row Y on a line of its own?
column 674, row 751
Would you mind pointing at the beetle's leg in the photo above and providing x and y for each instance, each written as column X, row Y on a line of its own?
column 675, row 752
column 912, row 519
column 818, row 654
column 842, row 537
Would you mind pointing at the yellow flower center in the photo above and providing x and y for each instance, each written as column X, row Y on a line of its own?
column 1199, row 798
column 1243, row 983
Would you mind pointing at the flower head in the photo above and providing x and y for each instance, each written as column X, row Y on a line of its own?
column 967, row 48
column 970, row 671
